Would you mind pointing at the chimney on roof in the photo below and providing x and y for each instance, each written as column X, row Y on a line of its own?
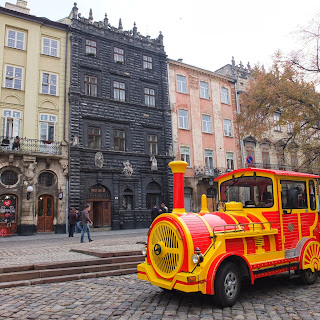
column 20, row 6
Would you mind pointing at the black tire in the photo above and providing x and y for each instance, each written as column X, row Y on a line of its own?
column 308, row 277
column 227, row 285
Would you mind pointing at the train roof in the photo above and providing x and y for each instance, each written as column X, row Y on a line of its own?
column 275, row 172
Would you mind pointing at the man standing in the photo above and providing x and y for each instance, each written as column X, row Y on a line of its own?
column 163, row 208
column 85, row 223
column 72, row 221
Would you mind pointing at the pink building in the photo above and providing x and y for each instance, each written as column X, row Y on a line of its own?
column 205, row 133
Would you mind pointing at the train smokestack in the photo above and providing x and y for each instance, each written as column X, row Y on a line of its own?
column 178, row 168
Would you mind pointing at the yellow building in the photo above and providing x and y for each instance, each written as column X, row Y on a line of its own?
column 34, row 58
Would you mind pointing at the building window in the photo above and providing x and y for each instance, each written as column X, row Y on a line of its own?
column 230, row 161
column 181, row 84
column 153, row 191
column 227, row 127
column 183, row 119
column 90, row 85
column 250, row 151
column 152, row 144
column 225, row 95
column 50, row 47
column 208, row 157
column 47, row 127
column 147, row 62
column 11, row 123
column 94, row 138
column 185, row 155
column 290, row 128
column 281, row 160
column 119, row 91
column 91, row 48
column 9, row 177
column 13, row 77
column 49, row 83
column 16, row 39
column 127, row 199
column 265, row 158
column 8, row 205
column 46, row 179
column 206, row 124
column 149, row 97
column 294, row 161
column 204, row 90
column 119, row 140
column 118, row 55
column 276, row 119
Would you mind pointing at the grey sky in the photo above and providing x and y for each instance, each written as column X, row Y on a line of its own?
column 204, row 33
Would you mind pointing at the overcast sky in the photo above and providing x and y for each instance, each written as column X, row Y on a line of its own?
column 204, row 33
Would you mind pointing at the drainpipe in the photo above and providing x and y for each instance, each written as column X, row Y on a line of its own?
column 238, row 112
column 64, row 124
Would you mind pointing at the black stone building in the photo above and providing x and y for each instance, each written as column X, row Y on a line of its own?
column 120, row 123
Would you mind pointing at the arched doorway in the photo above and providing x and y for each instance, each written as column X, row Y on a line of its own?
column 98, row 197
column 153, row 195
column 45, row 213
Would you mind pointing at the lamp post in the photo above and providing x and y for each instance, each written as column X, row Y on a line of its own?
column 29, row 190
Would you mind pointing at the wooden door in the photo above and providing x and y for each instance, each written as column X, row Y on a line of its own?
column 106, row 213
column 98, row 214
column 45, row 213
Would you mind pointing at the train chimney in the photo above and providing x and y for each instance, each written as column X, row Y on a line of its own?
column 178, row 168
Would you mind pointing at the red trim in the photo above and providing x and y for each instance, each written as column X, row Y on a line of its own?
column 272, row 263
column 186, row 283
column 178, row 190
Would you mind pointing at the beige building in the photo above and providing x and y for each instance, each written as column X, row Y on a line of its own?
column 204, row 107
column 33, row 107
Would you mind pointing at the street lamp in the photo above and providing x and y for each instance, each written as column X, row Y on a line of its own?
column 29, row 190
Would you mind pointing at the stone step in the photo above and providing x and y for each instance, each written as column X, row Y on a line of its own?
column 64, row 278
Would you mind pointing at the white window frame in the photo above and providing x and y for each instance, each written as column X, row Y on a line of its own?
column 11, row 123
column 185, row 155
column 119, row 90
column 15, row 79
column 47, row 122
column 206, row 123
column 147, row 62
column 49, row 84
column 227, row 125
column 15, row 42
column 230, row 161
column 276, row 119
column 183, row 116
column 225, row 97
column 149, row 97
column 118, row 55
column 209, row 159
column 50, row 50
column 181, row 83
column 204, row 90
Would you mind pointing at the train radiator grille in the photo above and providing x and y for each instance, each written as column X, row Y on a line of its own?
column 165, row 249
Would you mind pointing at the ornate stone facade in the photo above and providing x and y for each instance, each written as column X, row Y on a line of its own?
column 119, row 108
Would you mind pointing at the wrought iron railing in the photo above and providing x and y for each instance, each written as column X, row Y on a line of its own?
column 207, row 172
column 276, row 166
column 27, row 145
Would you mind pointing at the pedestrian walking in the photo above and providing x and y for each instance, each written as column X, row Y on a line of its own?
column 72, row 218
column 163, row 208
column 78, row 227
column 85, row 219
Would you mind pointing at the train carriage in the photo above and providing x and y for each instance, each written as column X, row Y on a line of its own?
column 267, row 223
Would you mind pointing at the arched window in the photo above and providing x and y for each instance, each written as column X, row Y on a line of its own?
column 127, row 199
column 46, row 179
column 9, row 177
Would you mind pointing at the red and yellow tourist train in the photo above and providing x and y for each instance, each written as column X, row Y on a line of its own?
column 267, row 224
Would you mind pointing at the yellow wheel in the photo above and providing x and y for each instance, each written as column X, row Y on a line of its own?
column 311, row 256
column 165, row 249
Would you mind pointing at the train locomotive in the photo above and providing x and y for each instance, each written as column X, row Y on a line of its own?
column 267, row 223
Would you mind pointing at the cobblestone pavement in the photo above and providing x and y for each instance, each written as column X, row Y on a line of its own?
column 126, row 297
column 43, row 248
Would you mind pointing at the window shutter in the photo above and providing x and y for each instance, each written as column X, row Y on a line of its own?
column 16, row 127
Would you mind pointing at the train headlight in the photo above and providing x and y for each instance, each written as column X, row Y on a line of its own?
column 144, row 251
column 197, row 257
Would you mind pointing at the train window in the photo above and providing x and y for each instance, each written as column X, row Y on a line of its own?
column 312, row 197
column 293, row 194
column 253, row 191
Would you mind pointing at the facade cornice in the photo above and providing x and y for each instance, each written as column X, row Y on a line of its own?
column 200, row 70
column 43, row 21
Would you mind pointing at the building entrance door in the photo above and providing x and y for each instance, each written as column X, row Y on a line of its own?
column 45, row 213
column 100, row 213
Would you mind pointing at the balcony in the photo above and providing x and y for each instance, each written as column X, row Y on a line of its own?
column 31, row 146
column 276, row 166
column 207, row 172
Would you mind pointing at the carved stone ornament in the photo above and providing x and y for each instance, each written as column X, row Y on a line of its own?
column 98, row 160
column 154, row 163
column 127, row 168
column 30, row 170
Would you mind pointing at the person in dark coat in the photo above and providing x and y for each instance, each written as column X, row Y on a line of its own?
column 72, row 218
column 154, row 212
